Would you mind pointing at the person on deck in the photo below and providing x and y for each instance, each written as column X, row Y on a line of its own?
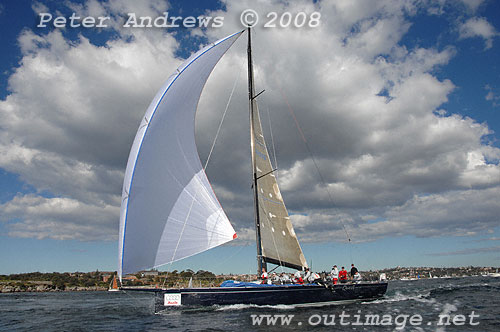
column 297, row 278
column 314, row 278
column 307, row 274
column 335, row 274
column 284, row 278
column 263, row 276
column 275, row 279
column 354, row 270
column 343, row 275
column 357, row 278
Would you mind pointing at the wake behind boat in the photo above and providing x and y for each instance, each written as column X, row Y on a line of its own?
column 169, row 210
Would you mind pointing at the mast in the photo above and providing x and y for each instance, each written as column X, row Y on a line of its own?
column 251, row 92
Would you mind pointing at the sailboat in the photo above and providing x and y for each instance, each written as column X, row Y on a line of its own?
column 494, row 274
column 169, row 210
column 113, row 286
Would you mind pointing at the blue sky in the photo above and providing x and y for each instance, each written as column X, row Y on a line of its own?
column 400, row 104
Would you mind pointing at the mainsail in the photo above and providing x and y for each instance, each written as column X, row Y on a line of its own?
column 169, row 210
column 278, row 242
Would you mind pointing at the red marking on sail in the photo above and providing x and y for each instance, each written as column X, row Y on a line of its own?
column 235, row 236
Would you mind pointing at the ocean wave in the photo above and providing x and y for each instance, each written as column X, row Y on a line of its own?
column 451, row 288
column 247, row 306
column 398, row 296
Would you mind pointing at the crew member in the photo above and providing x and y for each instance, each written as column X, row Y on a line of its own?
column 335, row 274
column 357, row 278
column 275, row 279
column 343, row 275
column 297, row 278
column 354, row 270
column 263, row 276
column 314, row 277
column 284, row 278
column 307, row 274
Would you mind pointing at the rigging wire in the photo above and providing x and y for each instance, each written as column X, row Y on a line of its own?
column 272, row 143
column 310, row 153
column 138, row 305
column 259, row 78
column 220, row 263
column 224, row 115
column 314, row 162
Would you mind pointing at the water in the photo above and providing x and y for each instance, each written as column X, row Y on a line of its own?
column 132, row 311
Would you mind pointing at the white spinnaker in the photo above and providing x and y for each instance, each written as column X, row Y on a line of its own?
column 169, row 210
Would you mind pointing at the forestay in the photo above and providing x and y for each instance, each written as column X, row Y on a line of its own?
column 169, row 210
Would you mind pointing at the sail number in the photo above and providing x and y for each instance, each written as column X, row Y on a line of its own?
column 288, row 19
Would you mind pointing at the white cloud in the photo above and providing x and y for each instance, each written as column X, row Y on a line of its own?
column 469, row 251
column 473, row 5
column 39, row 7
column 454, row 213
column 59, row 218
column 394, row 162
column 71, row 114
column 492, row 96
column 478, row 27
column 440, row 7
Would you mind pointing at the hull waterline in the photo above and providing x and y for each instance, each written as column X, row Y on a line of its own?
column 302, row 295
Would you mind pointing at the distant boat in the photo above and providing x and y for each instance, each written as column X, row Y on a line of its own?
column 169, row 210
column 494, row 274
column 113, row 286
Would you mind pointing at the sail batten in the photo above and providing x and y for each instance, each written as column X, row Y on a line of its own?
column 164, row 176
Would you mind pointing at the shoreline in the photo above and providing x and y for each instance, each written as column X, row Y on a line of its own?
column 5, row 289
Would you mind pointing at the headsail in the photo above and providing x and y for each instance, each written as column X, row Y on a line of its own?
column 278, row 242
column 169, row 210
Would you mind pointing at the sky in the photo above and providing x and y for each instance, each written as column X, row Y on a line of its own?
column 397, row 103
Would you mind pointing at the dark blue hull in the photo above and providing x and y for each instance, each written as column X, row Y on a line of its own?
column 289, row 294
